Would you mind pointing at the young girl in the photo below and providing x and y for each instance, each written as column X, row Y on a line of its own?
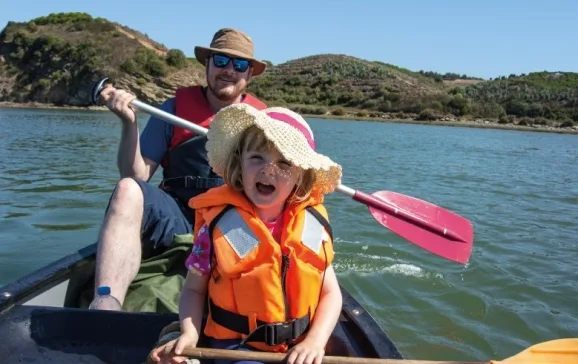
column 262, row 243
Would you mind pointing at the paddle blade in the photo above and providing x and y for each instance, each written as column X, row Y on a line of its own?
column 426, row 225
column 562, row 351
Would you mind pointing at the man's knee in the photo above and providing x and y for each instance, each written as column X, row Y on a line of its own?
column 127, row 195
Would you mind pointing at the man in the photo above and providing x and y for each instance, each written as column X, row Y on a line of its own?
column 139, row 209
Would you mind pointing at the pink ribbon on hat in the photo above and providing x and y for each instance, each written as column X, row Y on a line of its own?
column 296, row 124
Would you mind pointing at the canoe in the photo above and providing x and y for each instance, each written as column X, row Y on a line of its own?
column 40, row 322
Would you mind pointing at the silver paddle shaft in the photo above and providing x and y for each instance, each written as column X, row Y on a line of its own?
column 163, row 115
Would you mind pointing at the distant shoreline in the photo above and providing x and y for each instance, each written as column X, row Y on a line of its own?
column 38, row 105
column 482, row 124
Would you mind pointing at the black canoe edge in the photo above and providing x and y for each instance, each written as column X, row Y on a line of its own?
column 45, row 278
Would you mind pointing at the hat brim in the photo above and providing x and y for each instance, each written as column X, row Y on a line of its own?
column 228, row 126
column 202, row 53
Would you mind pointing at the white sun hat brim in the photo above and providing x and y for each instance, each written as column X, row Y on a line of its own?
column 230, row 123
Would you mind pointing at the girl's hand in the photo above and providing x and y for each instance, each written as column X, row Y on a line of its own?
column 306, row 352
column 158, row 354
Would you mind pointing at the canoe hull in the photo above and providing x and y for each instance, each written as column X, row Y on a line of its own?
column 40, row 321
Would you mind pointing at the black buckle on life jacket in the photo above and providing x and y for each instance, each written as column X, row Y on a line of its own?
column 268, row 333
column 284, row 332
column 191, row 182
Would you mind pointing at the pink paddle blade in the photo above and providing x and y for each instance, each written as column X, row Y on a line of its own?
column 426, row 225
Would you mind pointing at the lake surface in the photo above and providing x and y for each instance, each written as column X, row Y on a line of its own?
column 520, row 190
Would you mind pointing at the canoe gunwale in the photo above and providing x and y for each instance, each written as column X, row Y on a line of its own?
column 367, row 327
column 44, row 278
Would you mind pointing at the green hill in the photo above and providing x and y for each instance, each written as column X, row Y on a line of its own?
column 55, row 60
column 340, row 80
column 347, row 84
column 343, row 85
column 542, row 95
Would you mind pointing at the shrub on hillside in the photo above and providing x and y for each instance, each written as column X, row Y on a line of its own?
column 338, row 112
column 63, row 18
column 176, row 58
column 147, row 61
column 427, row 115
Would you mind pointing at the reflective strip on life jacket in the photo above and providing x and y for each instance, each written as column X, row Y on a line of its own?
column 242, row 239
column 237, row 233
column 313, row 233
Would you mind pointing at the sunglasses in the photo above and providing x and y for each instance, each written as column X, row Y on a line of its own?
column 239, row 64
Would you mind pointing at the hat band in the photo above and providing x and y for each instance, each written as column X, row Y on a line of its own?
column 294, row 123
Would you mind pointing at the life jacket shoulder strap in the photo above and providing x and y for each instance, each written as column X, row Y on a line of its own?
column 191, row 105
column 255, row 102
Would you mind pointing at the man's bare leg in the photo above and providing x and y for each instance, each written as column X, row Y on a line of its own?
column 119, row 244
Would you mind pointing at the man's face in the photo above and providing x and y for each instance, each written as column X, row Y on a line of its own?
column 226, row 82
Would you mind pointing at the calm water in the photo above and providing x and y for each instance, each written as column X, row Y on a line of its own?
column 520, row 190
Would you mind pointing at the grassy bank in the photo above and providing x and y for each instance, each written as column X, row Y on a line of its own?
column 39, row 105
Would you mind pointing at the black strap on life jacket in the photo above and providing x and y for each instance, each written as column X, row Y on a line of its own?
column 191, row 182
column 268, row 333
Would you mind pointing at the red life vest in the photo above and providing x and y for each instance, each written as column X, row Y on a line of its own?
column 186, row 170
column 191, row 105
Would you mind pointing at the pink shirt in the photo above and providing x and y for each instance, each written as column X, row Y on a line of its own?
column 199, row 261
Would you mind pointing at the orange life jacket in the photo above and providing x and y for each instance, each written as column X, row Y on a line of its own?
column 259, row 287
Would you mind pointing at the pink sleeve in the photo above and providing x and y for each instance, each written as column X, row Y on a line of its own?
column 199, row 261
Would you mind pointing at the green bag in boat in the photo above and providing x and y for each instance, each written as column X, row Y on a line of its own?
column 158, row 283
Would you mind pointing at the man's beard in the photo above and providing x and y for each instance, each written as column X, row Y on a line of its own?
column 225, row 95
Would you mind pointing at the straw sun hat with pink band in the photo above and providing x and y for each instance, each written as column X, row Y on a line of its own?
column 287, row 130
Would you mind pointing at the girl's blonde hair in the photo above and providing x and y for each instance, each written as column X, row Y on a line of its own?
column 253, row 139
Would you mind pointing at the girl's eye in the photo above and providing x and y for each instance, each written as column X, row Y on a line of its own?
column 286, row 163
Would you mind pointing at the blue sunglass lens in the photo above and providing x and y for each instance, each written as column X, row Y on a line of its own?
column 220, row 61
column 239, row 65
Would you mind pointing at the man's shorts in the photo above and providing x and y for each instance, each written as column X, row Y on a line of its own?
column 163, row 217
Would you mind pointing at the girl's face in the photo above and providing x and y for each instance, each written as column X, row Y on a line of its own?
column 268, row 180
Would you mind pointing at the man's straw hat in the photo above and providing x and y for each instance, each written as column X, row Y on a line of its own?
column 234, row 43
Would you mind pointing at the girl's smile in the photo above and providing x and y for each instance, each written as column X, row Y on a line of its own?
column 268, row 180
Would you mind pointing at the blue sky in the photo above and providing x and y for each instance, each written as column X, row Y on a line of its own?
column 484, row 38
